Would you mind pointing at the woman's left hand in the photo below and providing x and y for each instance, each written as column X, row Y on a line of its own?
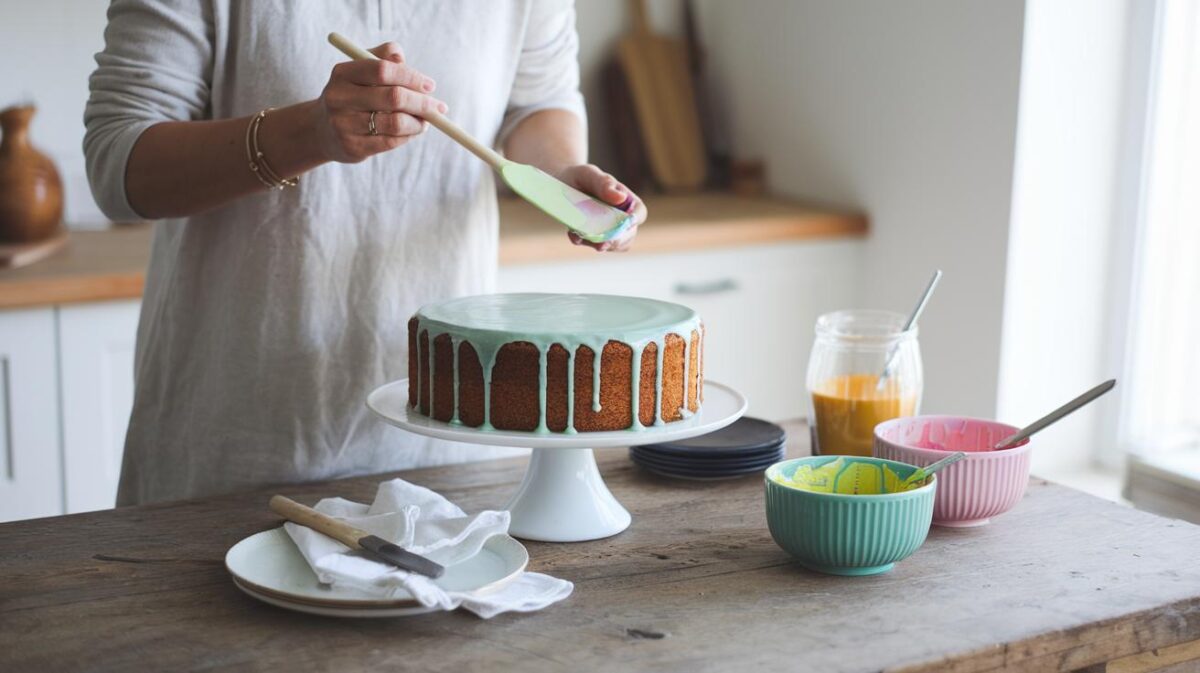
column 591, row 180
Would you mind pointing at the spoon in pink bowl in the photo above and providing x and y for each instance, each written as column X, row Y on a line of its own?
column 1056, row 415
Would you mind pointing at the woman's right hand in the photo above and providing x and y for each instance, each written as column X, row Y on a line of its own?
column 397, row 93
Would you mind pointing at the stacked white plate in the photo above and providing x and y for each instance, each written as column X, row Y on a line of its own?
column 269, row 567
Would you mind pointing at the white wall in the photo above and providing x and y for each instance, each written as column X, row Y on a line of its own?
column 1067, row 202
column 47, row 48
column 907, row 110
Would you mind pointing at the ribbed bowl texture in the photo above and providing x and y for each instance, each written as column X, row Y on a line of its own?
column 970, row 492
column 847, row 534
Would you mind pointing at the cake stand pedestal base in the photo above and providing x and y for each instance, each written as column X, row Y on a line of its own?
column 564, row 499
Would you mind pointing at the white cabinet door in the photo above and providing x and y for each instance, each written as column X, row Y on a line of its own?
column 758, row 303
column 96, row 347
column 30, row 451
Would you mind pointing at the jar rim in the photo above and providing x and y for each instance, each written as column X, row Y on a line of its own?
column 867, row 325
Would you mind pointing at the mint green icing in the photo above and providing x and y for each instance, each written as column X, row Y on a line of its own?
column 590, row 218
column 488, row 322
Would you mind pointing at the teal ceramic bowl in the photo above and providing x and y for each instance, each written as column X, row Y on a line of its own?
column 847, row 534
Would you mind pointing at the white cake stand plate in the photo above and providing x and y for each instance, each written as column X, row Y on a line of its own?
column 563, row 498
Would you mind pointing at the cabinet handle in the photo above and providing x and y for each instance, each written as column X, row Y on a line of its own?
column 710, row 287
column 6, row 407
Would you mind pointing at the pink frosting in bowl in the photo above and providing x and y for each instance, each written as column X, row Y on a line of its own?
column 972, row 491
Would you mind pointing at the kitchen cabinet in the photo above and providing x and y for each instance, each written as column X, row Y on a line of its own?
column 758, row 303
column 96, row 353
column 30, row 462
column 66, row 388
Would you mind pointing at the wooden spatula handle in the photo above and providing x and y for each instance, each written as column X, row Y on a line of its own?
column 456, row 133
column 311, row 518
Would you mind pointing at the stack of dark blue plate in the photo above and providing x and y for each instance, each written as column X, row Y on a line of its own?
column 747, row 446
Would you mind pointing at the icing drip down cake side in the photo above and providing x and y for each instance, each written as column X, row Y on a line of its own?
column 556, row 362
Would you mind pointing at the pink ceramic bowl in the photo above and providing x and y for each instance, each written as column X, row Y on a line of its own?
column 973, row 490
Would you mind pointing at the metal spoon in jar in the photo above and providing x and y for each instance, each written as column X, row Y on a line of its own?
column 1056, row 415
column 912, row 320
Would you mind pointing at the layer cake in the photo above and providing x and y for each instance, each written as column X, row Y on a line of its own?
column 556, row 362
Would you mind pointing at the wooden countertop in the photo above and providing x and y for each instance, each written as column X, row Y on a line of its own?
column 678, row 223
column 108, row 265
column 1063, row 582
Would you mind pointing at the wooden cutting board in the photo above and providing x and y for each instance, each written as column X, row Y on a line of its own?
column 660, row 82
column 14, row 255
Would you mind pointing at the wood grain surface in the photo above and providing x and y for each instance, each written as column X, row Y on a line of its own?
column 678, row 223
column 1064, row 582
column 659, row 77
column 110, row 265
column 95, row 266
column 17, row 255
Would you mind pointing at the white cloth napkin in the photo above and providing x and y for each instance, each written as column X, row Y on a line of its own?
column 424, row 523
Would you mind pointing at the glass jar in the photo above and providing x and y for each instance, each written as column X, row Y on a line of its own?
column 848, row 390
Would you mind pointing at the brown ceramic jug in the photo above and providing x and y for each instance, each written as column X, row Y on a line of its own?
column 31, row 196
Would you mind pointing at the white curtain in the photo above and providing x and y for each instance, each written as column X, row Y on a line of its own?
column 1161, row 408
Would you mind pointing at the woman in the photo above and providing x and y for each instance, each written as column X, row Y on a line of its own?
column 271, row 310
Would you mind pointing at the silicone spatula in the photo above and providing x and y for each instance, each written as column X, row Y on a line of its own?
column 591, row 219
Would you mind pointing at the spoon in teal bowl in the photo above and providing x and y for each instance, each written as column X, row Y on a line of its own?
column 922, row 473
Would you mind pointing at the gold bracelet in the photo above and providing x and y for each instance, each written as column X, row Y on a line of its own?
column 258, row 161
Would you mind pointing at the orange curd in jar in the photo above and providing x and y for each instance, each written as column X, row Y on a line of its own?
column 848, row 407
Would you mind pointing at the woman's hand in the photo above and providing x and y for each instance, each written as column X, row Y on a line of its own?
column 397, row 93
column 591, row 180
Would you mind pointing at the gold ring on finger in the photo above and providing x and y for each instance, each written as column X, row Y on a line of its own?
column 371, row 129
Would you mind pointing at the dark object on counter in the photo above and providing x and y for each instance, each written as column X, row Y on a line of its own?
column 712, row 128
column 371, row 545
column 31, row 194
column 660, row 82
column 632, row 167
column 748, row 177
column 746, row 446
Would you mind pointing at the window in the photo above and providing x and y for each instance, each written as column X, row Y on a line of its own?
column 1161, row 407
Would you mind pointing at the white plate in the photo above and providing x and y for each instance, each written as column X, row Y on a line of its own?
column 722, row 405
column 268, row 567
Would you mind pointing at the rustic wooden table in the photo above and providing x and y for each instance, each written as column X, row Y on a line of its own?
column 1063, row 582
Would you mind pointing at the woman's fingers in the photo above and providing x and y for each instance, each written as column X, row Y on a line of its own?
column 389, row 51
column 397, row 94
column 382, row 98
column 394, row 99
column 383, row 73
column 592, row 180
column 397, row 124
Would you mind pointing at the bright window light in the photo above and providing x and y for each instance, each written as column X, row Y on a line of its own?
column 1162, row 408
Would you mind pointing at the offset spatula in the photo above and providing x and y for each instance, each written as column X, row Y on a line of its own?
column 591, row 219
column 354, row 538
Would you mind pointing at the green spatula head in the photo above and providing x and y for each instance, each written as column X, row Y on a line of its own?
column 591, row 219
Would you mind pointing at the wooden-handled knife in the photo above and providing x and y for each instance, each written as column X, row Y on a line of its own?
column 354, row 538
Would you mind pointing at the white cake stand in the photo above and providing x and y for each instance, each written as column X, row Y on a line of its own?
column 563, row 498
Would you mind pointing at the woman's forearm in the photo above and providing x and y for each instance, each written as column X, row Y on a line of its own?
column 368, row 107
column 181, row 168
column 552, row 140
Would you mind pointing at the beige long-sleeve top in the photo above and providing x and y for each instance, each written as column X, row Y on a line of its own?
column 266, row 322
